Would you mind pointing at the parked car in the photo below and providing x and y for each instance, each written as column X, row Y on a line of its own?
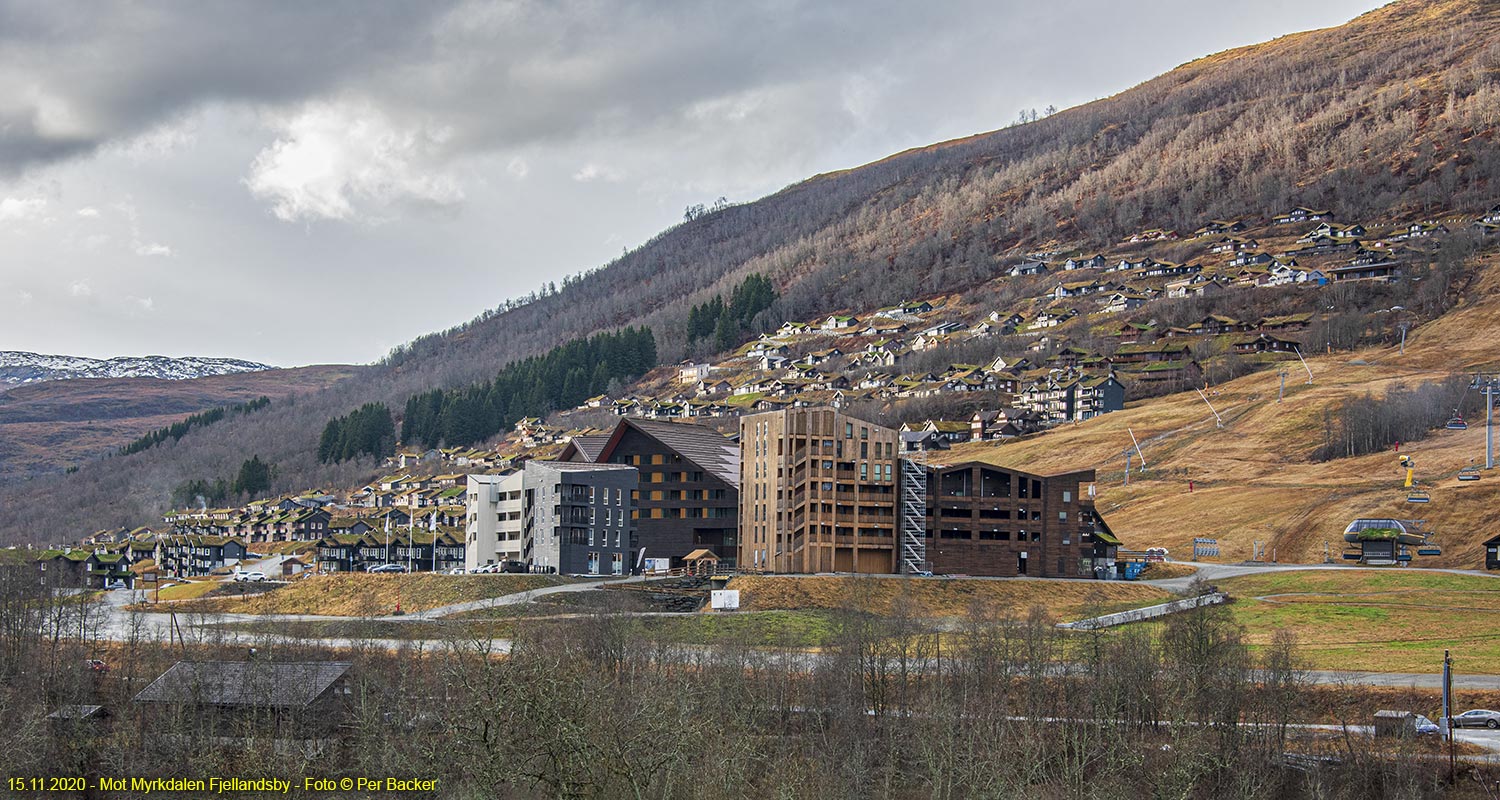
column 95, row 665
column 1478, row 718
column 113, row 585
column 1425, row 726
column 456, row 571
column 388, row 568
column 486, row 569
column 252, row 576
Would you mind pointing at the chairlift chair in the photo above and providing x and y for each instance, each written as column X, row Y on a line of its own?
column 1432, row 550
column 1456, row 423
column 1419, row 496
column 1469, row 474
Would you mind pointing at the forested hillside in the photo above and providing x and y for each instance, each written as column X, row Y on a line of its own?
column 1391, row 116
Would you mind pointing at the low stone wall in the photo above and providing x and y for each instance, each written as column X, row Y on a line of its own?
column 1149, row 612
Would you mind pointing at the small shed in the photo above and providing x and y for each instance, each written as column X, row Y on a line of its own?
column 702, row 561
column 293, row 698
column 1492, row 553
column 1399, row 724
column 76, row 720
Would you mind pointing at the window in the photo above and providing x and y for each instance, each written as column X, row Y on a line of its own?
column 1067, row 497
column 864, row 471
column 848, row 430
column 864, row 433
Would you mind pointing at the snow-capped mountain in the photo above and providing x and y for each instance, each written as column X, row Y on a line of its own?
column 17, row 367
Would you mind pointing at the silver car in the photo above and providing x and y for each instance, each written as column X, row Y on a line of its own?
column 1478, row 718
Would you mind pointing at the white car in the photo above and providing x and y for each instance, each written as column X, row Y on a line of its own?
column 456, row 571
column 253, row 576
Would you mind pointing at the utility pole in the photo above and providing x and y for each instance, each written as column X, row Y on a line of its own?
column 1217, row 419
column 1298, row 351
column 1488, row 383
column 1404, row 327
column 1448, row 714
column 1281, row 373
column 1139, row 455
column 1128, row 451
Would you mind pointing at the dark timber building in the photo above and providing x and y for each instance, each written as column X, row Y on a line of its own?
column 988, row 520
column 689, row 484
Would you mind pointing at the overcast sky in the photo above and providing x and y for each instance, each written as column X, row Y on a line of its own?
column 317, row 182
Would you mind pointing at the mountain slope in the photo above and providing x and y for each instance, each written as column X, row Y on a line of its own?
column 49, row 425
column 1391, row 116
column 18, row 367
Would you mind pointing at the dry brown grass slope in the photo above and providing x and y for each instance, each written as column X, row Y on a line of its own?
column 1254, row 478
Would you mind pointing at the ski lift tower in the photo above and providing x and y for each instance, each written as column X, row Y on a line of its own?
column 913, row 515
column 1488, row 383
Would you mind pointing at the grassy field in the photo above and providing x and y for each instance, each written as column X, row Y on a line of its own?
column 1382, row 621
column 942, row 597
column 801, row 629
column 354, row 595
column 191, row 590
column 746, row 628
column 1163, row 570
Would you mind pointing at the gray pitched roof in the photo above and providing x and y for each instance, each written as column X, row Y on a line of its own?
column 590, row 446
column 262, row 684
column 705, row 447
column 79, row 712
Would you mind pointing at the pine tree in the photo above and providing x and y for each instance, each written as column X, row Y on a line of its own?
column 254, row 477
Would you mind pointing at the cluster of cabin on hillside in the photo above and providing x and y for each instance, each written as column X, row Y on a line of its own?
column 848, row 356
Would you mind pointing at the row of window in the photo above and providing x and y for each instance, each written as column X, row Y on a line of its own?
column 592, row 536
column 692, row 476
column 655, row 458
column 688, row 494
column 617, row 563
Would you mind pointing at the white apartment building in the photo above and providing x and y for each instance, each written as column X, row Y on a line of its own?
column 495, row 511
